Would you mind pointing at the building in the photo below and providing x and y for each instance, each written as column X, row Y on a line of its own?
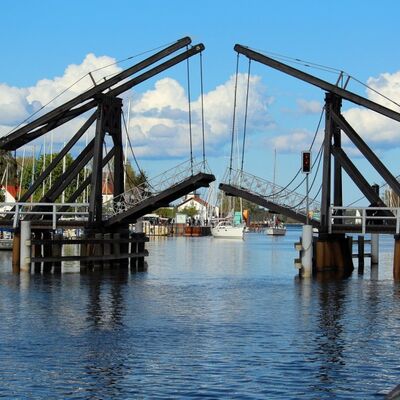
column 205, row 211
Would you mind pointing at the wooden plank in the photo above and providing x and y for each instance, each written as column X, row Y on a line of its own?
column 110, row 257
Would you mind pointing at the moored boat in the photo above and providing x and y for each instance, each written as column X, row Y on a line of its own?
column 227, row 230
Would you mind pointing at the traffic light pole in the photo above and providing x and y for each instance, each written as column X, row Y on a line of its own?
column 307, row 232
column 307, row 202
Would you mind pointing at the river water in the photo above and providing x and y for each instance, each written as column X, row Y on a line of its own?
column 211, row 318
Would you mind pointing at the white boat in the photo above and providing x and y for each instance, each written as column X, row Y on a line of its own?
column 276, row 228
column 226, row 230
column 279, row 230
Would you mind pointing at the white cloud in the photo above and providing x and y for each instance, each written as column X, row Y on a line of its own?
column 160, row 126
column 309, row 107
column 377, row 130
column 159, row 116
column 294, row 142
column 17, row 104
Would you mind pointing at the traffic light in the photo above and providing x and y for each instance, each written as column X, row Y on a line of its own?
column 306, row 162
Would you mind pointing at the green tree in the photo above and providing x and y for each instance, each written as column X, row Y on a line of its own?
column 134, row 178
column 166, row 212
column 33, row 168
column 190, row 211
column 8, row 168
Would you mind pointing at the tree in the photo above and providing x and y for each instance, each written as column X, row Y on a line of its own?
column 34, row 167
column 190, row 211
column 133, row 178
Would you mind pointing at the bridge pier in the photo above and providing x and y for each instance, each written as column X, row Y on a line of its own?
column 333, row 254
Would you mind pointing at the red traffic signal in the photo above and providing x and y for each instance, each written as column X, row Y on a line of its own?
column 306, row 162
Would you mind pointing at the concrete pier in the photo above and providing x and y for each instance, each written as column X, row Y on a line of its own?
column 307, row 251
column 25, row 246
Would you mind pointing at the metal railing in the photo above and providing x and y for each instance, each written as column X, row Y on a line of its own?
column 153, row 186
column 270, row 191
column 56, row 210
column 363, row 216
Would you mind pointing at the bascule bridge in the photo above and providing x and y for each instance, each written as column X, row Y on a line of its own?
column 107, row 238
column 332, row 248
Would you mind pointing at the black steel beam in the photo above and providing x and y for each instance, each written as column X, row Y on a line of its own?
column 367, row 152
column 13, row 141
column 69, row 175
column 58, row 158
column 100, row 88
column 357, row 177
column 345, row 94
column 165, row 197
column 264, row 202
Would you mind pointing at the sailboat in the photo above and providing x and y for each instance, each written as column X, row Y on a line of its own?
column 229, row 227
column 276, row 228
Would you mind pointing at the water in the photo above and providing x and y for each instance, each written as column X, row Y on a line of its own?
column 209, row 319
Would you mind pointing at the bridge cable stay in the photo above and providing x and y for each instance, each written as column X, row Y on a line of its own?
column 133, row 154
column 310, row 148
column 234, row 116
column 202, row 110
column 190, row 112
column 245, row 114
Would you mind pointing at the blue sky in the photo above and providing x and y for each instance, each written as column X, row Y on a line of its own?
column 41, row 39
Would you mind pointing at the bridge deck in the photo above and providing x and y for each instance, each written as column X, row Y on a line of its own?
column 267, row 203
column 162, row 199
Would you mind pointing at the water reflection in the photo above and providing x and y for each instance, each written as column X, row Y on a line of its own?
column 212, row 319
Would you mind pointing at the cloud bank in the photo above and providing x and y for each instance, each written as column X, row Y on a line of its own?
column 159, row 116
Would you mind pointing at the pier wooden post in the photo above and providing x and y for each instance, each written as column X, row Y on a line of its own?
column 116, row 249
column 396, row 258
column 16, row 251
column 37, row 252
column 47, row 266
column 333, row 254
column 57, row 252
column 107, row 251
column 83, row 264
column 360, row 249
column 98, row 251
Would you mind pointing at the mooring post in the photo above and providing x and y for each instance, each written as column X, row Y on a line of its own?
column 37, row 252
column 360, row 249
column 16, row 251
column 396, row 258
column 98, row 252
column 47, row 265
column 375, row 237
column 107, row 250
column 57, row 252
column 307, row 251
column 25, row 246
column 374, row 248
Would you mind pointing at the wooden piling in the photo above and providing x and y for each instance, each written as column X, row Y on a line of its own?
column 333, row 253
column 360, row 249
column 47, row 250
column 16, row 252
column 37, row 252
column 57, row 252
column 396, row 258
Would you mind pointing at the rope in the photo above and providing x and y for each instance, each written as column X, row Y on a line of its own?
column 202, row 109
column 133, row 154
column 190, row 111
column 245, row 114
column 234, row 115
column 299, row 170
